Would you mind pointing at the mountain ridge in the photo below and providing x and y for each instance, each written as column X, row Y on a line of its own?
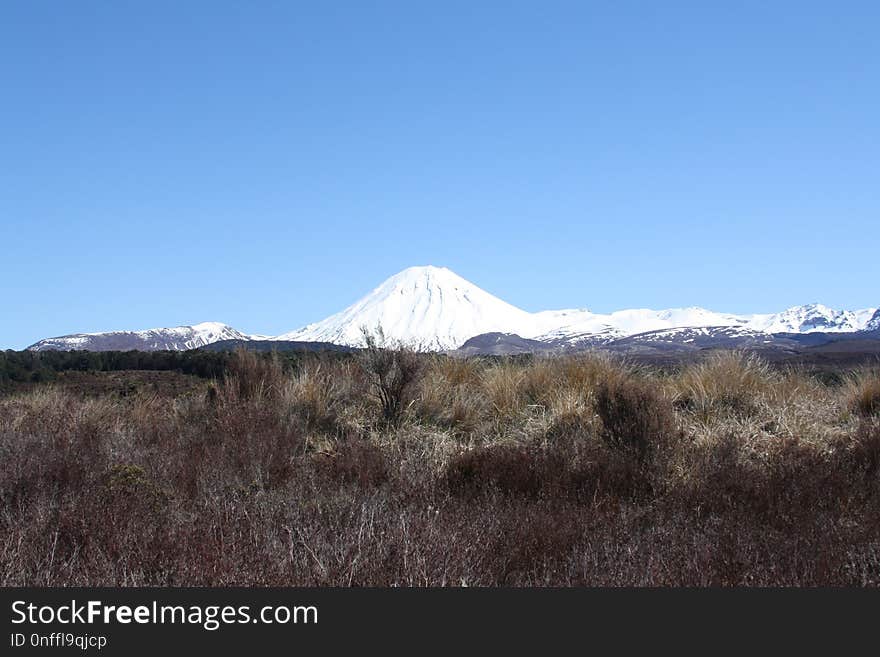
column 178, row 338
column 433, row 309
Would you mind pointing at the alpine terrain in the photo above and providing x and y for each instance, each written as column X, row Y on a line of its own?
column 178, row 338
column 434, row 309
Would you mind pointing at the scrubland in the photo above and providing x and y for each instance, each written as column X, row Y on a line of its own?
column 390, row 468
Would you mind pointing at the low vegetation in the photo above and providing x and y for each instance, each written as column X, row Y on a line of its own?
column 392, row 468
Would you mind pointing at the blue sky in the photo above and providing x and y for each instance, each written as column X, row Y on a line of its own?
column 267, row 163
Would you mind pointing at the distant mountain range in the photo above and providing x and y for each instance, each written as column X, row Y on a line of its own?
column 179, row 338
column 434, row 309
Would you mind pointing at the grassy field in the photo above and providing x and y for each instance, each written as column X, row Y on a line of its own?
column 392, row 468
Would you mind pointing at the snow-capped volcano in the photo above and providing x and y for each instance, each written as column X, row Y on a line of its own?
column 433, row 308
column 179, row 338
column 430, row 308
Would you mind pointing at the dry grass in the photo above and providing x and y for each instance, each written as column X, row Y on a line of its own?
column 863, row 391
column 726, row 383
column 549, row 471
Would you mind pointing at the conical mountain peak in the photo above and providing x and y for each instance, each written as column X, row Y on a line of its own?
column 425, row 307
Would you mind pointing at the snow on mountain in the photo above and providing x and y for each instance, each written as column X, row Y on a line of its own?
column 692, row 333
column 800, row 319
column 430, row 308
column 629, row 322
column 701, row 336
column 433, row 308
column 811, row 318
column 178, row 338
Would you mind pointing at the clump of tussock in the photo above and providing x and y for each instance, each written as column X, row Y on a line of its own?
column 450, row 396
column 862, row 393
column 502, row 383
column 726, row 383
column 571, row 402
column 540, row 381
column 461, row 409
column 572, row 417
column 456, row 372
column 321, row 393
column 253, row 377
column 585, row 372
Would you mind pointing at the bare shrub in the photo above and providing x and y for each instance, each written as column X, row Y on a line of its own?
column 559, row 470
column 533, row 539
column 508, row 468
column 356, row 461
column 392, row 370
column 635, row 419
column 863, row 455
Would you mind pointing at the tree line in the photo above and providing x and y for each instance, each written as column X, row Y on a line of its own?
column 40, row 366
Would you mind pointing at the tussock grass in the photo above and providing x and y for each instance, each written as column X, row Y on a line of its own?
column 503, row 384
column 727, row 383
column 863, row 393
column 550, row 471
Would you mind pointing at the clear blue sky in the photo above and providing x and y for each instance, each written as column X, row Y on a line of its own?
column 267, row 163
